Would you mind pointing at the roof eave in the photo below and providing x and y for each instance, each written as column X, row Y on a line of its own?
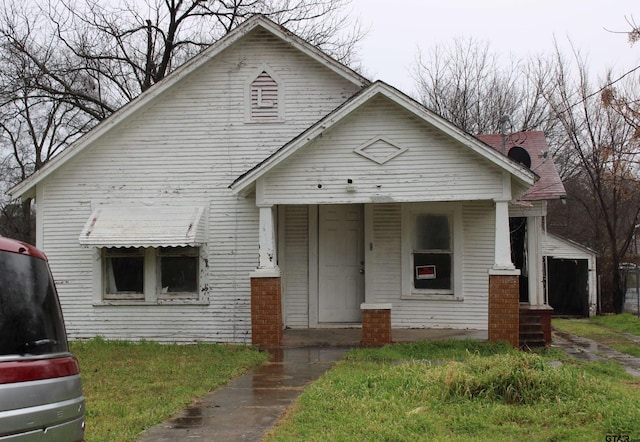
column 27, row 186
column 244, row 183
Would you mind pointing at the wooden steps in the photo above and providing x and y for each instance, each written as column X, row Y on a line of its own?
column 531, row 330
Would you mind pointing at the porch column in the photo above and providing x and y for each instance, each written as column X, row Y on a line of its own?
column 534, row 261
column 538, row 304
column 376, row 325
column 504, row 285
column 502, row 260
column 266, row 292
column 267, row 251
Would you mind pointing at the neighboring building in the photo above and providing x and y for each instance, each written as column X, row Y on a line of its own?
column 572, row 276
column 264, row 185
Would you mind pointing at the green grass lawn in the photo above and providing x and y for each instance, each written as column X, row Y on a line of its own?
column 625, row 322
column 464, row 390
column 610, row 330
column 451, row 390
column 131, row 386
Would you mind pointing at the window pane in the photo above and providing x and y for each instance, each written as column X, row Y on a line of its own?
column 179, row 274
column 432, row 271
column 432, row 232
column 125, row 274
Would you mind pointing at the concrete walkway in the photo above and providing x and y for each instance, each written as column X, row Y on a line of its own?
column 247, row 407
column 589, row 350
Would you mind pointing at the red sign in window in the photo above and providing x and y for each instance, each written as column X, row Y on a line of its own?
column 425, row 272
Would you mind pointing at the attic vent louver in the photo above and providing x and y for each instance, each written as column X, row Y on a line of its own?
column 264, row 102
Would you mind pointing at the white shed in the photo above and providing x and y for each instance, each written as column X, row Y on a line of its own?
column 572, row 287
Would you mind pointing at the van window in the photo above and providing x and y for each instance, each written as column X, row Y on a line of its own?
column 30, row 316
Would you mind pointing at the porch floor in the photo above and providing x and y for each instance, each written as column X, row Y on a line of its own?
column 350, row 337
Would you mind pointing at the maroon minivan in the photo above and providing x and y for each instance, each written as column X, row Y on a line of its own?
column 40, row 389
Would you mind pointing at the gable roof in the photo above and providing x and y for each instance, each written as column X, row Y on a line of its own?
column 549, row 186
column 560, row 247
column 244, row 183
column 27, row 186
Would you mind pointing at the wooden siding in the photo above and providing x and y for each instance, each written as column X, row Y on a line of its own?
column 561, row 248
column 433, row 167
column 471, row 311
column 295, row 267
column 184, row 148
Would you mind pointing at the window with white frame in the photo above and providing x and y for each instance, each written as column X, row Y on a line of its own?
column 432, row 253
column 431, row 249
column 178, row 273
column 150, row 274
column 124, row 273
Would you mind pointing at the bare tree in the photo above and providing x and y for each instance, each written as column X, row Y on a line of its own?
column 99, row 55
column 604, row 182
column 615, row 96
column 468, row 85
column 593, row 136
column 65, row 65
column 34, row 126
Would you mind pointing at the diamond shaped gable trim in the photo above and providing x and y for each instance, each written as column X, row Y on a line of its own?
column 379, row 150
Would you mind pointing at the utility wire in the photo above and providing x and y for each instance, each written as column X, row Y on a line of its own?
column 611, row 83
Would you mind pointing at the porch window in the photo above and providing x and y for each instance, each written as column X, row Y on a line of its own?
column 432, row 252
column 432, row 238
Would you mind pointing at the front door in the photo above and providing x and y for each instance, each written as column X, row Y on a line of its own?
column 340, row 263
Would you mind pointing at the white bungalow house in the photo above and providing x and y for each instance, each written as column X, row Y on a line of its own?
column 264, row 185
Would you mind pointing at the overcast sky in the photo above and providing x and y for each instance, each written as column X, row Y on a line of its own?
column 520, row 27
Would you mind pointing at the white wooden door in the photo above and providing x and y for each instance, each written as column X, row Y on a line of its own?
column 340, row 263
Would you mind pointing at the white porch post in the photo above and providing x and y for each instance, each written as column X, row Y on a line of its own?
column 534, row 261
column 504, row 284
column 266, row 286
column 502, row 237
column 267, row 240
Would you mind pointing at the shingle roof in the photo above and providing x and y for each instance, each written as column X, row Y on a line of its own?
column 549, row 186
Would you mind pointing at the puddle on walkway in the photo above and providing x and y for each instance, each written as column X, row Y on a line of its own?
column 246, row 407
column 586, row 349
column 192, row 418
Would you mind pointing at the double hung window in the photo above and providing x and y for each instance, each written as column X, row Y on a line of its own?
column 432, row 254
column 431, row 250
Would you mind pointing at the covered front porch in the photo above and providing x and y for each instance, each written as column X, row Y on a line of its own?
column 392, row 211
column 358, row 271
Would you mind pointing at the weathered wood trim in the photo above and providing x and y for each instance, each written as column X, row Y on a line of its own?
column 313, row 266
column 454, row 211
column 510, row 167
column 125, row 113
column 369, row 268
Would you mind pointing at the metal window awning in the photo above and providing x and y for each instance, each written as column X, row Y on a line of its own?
column 165, row 226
